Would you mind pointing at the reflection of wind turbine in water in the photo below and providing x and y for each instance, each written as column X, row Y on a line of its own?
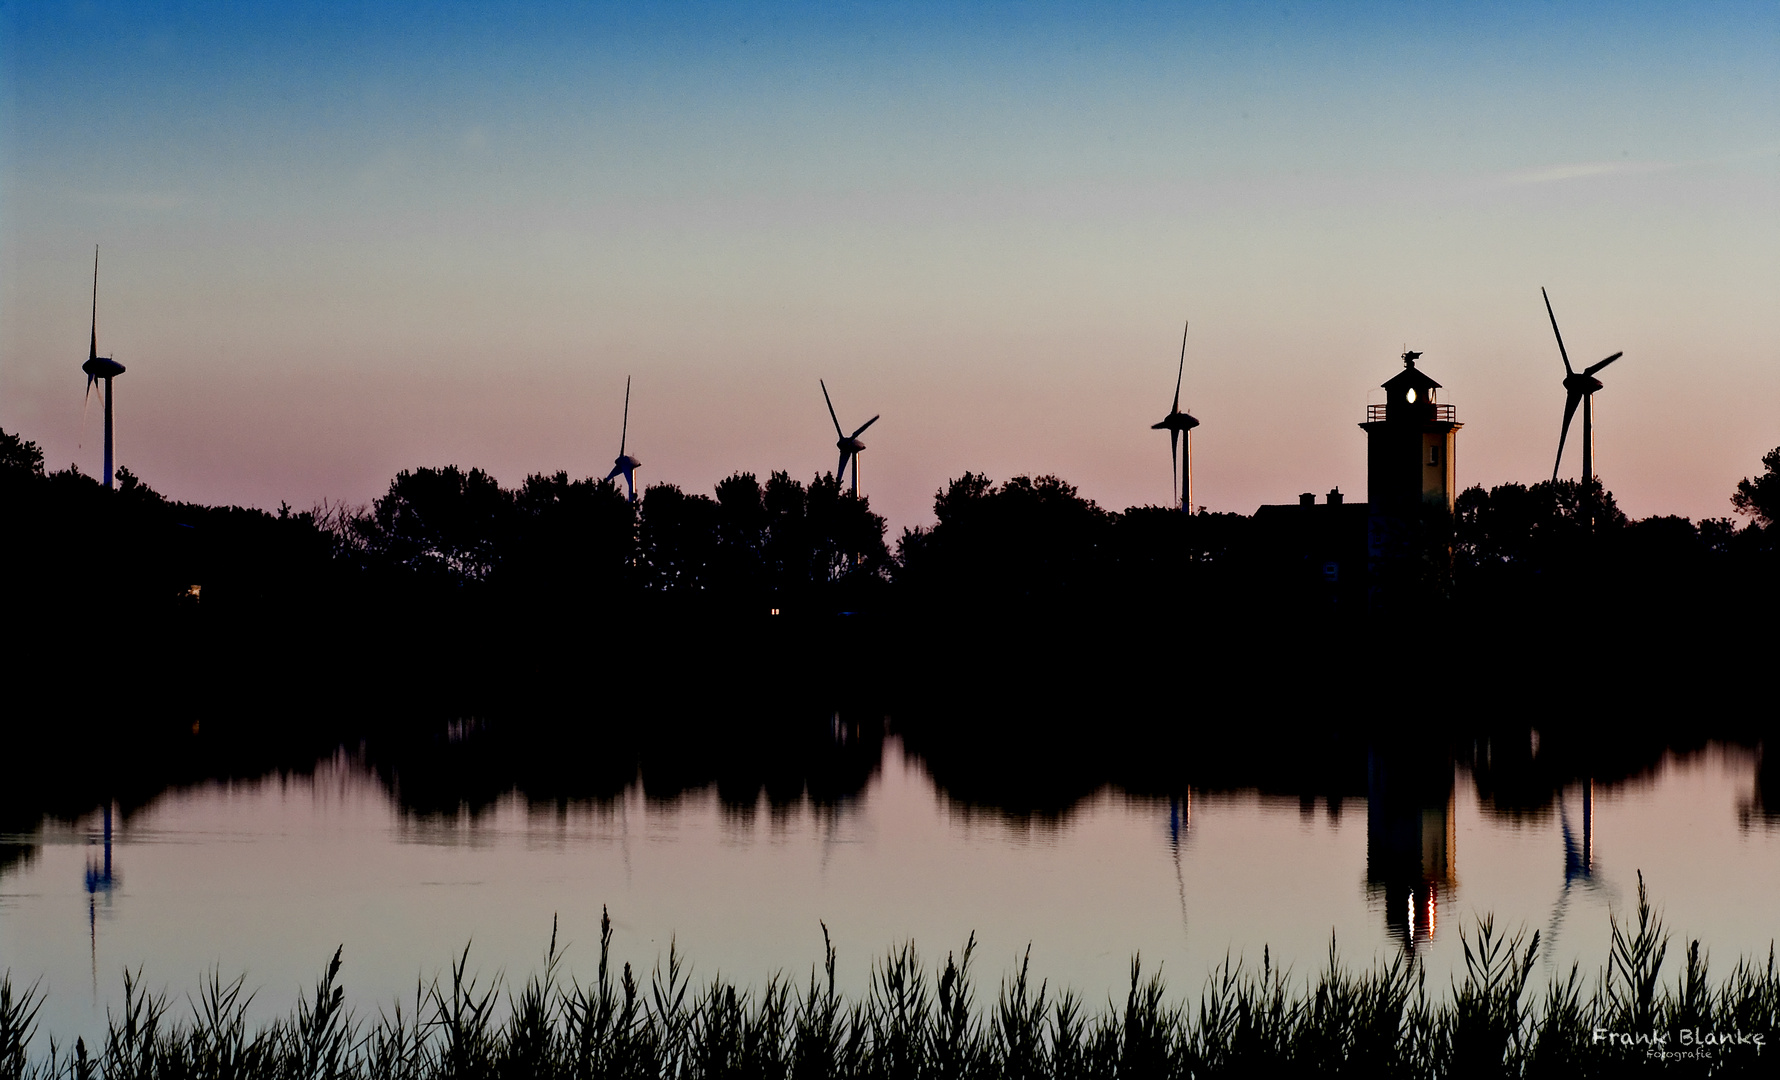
column 827, row 818
column 831, row 816
column 624, row 826
column 1579, row 859
column 1180, row 820
column 624, row 463
column 100, row 879
column 1180, row 426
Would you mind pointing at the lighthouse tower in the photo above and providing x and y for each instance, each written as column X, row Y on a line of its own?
column 1409, row 482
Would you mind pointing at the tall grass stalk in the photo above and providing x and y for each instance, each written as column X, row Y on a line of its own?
column 916, row 1024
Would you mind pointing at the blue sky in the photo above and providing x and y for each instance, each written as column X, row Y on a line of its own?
column 345, row 239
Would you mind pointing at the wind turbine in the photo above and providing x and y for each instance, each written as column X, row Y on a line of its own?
column 1578, row 386
column 624, row 463
column 1179, row 424
column 101, row 367
column 849, row 445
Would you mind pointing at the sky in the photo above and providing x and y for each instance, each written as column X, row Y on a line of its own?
column 340, row 240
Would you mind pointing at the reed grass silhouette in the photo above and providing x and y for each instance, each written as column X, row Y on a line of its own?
column 916, row 1024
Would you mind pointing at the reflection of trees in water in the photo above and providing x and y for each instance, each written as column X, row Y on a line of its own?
column 1029, row 769
column 786, row 761
column 1030, row 756
column 18, row 820
column 1019, row 767
column 14, row 856
column 1761, row 807
column 1026, row 769
column 1521, row 770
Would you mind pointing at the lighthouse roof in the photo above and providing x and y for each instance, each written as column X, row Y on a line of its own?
column 1410, row 378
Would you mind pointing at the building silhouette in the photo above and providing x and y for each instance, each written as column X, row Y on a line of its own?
column 1319, row 547
column 1395, row 548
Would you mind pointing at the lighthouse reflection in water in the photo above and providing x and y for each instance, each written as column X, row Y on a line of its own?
column 1410, row 857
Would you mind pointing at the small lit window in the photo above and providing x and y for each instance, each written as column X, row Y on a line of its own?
column 1410, row 397
column 1433, row 453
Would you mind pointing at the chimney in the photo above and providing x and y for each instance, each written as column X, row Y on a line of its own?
column 1334, row 496
column 1307, row 499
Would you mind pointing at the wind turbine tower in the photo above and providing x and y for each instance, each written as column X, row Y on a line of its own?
column 1180, row 429
column 101, row 368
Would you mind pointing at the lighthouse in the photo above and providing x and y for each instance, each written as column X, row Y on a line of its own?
column 1409, row 486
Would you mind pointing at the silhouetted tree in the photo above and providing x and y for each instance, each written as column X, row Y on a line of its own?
column 785, row 549
column 846, row 538
column 741, row 537
column 443, row 523
column 132, row 552
column 567, row 538
column 131, row 489
column 1759, row 497
column 1028, row 541
column 1519, row 548
column 1164, row 555
column 813, row 541
column 783, row 545
column 1553, row 526
column 19, row 456
column 678, row 540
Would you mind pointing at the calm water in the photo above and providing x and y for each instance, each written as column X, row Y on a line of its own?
column 267, row 877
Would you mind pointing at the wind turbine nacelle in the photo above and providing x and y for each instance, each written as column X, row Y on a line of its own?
column 1583, row 383
column 102, row 367
column 627, row 462
column 850, row 446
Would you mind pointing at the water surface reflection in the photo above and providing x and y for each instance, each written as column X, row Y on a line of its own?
column 739, row 849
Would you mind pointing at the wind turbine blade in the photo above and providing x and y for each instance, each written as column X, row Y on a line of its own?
column 841, row 469
column 1569, row 413
column 1554, row 329
column 1183, row 366
column 863, row 426
column 93, row 353
column 624, row 432
column 616, row 469
column 1594, row 368
column 831, row 416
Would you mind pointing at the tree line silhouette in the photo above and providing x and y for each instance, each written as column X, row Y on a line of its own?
column 1023, row 608
column 1030, row 644
column 1022, row 546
